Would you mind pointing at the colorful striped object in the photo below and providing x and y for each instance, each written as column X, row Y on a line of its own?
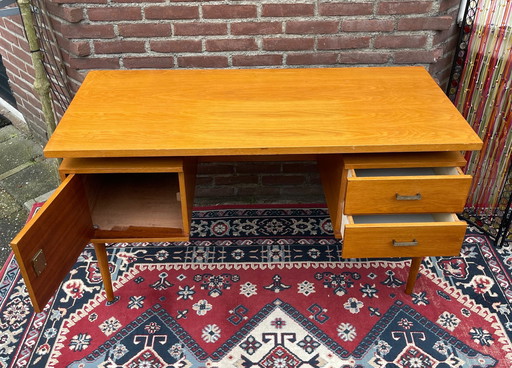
column 485, row 100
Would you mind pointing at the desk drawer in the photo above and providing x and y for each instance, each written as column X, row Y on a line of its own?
column 416, row 235
column 406, row 190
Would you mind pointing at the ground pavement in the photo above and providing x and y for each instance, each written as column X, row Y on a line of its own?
column 25, row 178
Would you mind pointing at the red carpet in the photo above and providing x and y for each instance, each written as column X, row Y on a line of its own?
column 265, row 288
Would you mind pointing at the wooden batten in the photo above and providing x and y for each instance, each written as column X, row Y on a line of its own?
column 401, row 160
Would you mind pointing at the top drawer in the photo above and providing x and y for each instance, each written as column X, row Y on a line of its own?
column 406, row 190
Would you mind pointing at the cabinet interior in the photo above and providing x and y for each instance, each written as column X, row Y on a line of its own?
column 124, row 202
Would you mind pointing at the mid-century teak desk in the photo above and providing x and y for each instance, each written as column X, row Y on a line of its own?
column 387, row 142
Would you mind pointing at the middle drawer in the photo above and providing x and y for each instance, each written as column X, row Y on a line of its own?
column 406, row 190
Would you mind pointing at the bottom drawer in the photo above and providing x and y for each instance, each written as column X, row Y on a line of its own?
column 411, row 235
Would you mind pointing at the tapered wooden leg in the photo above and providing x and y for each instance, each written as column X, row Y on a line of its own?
column 413, row 273
column 101, row 254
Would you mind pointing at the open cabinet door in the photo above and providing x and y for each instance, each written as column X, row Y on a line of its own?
column 48, row 246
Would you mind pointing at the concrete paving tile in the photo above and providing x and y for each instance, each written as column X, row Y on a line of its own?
column 9, row 227
column 8, row 132
column 17, row 151
column 32, row 181
column 8, row 204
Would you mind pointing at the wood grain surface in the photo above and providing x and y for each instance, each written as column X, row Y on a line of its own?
column 129, row 113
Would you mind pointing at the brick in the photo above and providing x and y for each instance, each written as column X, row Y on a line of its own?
column 346, row 8
column 300, row 167
column 22, row 83
column 308, row 191
column 148, row 62
column 443, row 36
column 224, row 191
column 136, row 2
column 448, row 4
column 258, row 167
column 257, row 60
column 203, row 61
column 36, row 112
column 72, row 15
column 228, row 11
column 13, row 24
column 400, row 41
column 214, row 168
column 79, row 48
column 404, row 7
column 204, row 180
column 312, row 59
column 245, row 44
column 367, row 25
column 94, row 63
column 22, row 55
column 236, row 179
column 118, row 47
column 172, row 12
column 145, row 30
column 343, row 42
column 364, row 58
column 7, row 38
column 425, row 23
column 287, row 10
column 20, row 93
column 256, row 28
column 176, row 46
column 258, row 191
column 312, row 27
column 88, row 30
column 12, row 69
column 417, row 56
column 442, row 64
column 114, row 13
column 288, row 44
column 200, row 29
column 283, row 180
column 81, row 2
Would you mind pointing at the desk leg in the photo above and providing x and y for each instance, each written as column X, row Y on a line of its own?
column 101, row 255
column 413, row 273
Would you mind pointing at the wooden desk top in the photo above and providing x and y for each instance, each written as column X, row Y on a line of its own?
column 128, row 113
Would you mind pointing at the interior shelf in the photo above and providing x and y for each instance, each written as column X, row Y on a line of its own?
column 133, row 202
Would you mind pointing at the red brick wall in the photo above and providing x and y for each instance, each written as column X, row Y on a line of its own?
column 254, row 33
column 18, row 63
column 124, row 34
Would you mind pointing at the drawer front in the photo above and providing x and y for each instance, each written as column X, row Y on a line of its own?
column 48, row 246
column 406, row 194
column 403, row 239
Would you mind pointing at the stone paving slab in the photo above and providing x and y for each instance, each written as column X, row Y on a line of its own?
column 9, row 227
column 8, row 132
column 25, row 177
column 17, row 151
column 8, row 204
column 31, row 182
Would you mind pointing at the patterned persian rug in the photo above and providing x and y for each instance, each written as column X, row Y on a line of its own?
column 265, row 288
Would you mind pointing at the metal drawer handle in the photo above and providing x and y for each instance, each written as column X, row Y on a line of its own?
column 412, row 243
column 415, row 197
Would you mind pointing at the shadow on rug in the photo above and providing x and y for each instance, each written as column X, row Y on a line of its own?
column 262, row 288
